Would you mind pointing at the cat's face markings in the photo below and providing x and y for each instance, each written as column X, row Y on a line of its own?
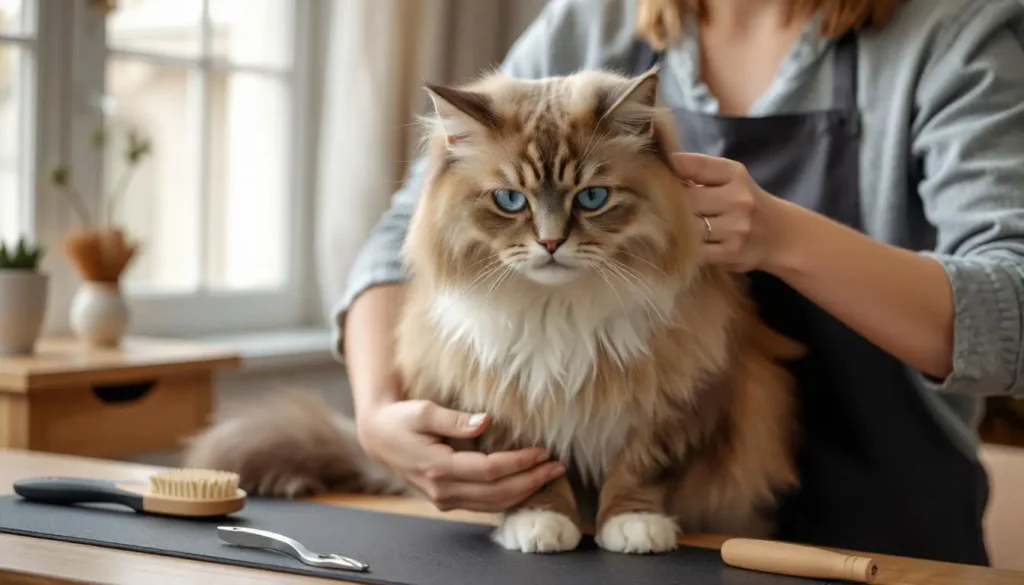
column 551, row 164
column 571, row 198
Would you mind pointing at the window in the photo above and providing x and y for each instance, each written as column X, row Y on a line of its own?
column 17, row 44
column 219, row 206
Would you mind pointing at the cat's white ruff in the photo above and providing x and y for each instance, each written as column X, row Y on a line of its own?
column 548, row 342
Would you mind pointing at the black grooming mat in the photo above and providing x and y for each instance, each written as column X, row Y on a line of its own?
column 401, row 550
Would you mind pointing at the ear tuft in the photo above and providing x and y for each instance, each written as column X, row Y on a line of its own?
column 631, row 108
column 461, row 112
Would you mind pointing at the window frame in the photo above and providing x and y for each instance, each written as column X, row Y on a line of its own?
column 203, row 311
column 26, row 44
column 48, row 72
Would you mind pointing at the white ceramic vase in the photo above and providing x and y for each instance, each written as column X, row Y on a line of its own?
column 99, row 314
column 23, row 299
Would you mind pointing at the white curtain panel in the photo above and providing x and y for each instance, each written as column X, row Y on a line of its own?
column 379, row 54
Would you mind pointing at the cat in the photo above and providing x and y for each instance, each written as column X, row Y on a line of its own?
column 556, row 283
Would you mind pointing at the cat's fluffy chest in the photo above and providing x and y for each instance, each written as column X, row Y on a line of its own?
column 547, row 350
column 540, row 345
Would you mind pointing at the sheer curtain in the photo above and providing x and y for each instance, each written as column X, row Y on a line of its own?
column 378, row 55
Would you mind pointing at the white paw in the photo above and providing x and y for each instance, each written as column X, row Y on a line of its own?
column 537, row 531
column 638, row 533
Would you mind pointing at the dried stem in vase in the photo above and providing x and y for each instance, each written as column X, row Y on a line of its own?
column 100, row 255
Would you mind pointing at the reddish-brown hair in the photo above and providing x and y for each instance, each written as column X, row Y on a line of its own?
column 660, row 22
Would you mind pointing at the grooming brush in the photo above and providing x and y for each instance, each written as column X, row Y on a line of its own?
column 797, row 560
column 175, row 492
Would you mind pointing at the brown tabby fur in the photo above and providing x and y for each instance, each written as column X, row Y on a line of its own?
column 697, row 425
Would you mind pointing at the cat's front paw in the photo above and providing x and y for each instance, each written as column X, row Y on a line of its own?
column 537, row 531
column 638, row 533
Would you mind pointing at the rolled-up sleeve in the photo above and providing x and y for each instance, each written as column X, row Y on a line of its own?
column 969, row 140
column 379, row 260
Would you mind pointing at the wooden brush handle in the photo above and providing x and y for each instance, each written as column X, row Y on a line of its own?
column 797, row 560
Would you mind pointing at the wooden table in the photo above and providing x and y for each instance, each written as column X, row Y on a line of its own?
column 144, row 396
column 29, row 561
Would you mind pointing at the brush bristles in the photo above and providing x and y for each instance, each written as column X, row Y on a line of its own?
column 195, row 484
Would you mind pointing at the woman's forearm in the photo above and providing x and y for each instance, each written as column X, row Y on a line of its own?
column 370, row 347
column 898, row 299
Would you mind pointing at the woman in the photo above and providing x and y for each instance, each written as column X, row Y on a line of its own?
column 863, row 160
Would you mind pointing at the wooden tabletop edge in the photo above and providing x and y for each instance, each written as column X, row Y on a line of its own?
column 100, row 373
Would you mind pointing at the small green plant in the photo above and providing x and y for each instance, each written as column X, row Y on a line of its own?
column 137, row 148
column 23, row 256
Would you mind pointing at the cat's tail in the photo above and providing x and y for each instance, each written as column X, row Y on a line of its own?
column 290, row 445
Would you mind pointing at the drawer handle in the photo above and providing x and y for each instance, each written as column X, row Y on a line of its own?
column 120, row 393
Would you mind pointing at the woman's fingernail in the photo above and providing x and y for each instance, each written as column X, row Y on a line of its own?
column 557, row 471
column 476, row 420
column 543, row 457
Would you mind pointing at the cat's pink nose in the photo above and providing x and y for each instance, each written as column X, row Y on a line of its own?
column 551, row 245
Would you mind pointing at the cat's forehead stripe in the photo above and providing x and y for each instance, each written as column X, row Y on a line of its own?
column 520, row 173
column 551, row 159
column 531, row 157
column 555, row 135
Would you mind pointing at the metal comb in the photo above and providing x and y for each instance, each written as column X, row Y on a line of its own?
column 253, row 538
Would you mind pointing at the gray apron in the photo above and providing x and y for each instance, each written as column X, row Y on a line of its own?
column 879, row 474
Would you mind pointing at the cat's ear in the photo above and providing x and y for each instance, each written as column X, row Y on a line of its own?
column 630, row 109
column 460, row 112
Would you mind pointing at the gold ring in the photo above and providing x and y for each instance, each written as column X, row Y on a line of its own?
column 707, row 228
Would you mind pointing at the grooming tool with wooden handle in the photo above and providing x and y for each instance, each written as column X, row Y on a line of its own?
column 175, row 492
column 797, row 560
column 253, row 538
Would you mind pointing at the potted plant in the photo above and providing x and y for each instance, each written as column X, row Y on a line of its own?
column 23, row 297
column 100, row 251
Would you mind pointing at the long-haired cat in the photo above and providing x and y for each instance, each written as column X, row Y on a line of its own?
column 555, row 283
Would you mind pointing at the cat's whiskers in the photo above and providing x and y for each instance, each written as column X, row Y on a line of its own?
column 618, row 268
column 492, row 257
column 630, row 271
column 492, row 270
column 645, row 261
column 599, row 262
column 509, row 269
column 646, row 301
column 481, row 278
column 604, row 275
column 594, row 261
column 642, row 281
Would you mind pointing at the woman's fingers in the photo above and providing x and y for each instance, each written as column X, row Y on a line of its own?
column 482, row 482
column 428, row 417
column 482, row 467
column 709, row 201
column 724, row 229
column 720, row 200
column 723, row 253
column 497, row 496
column 705, row 170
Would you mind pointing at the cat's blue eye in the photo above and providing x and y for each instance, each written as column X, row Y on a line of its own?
column 591, row 198
column 510, row 201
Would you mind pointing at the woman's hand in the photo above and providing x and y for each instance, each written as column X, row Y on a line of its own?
column 898, row 299
column 739, row 221
column 407, row 437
